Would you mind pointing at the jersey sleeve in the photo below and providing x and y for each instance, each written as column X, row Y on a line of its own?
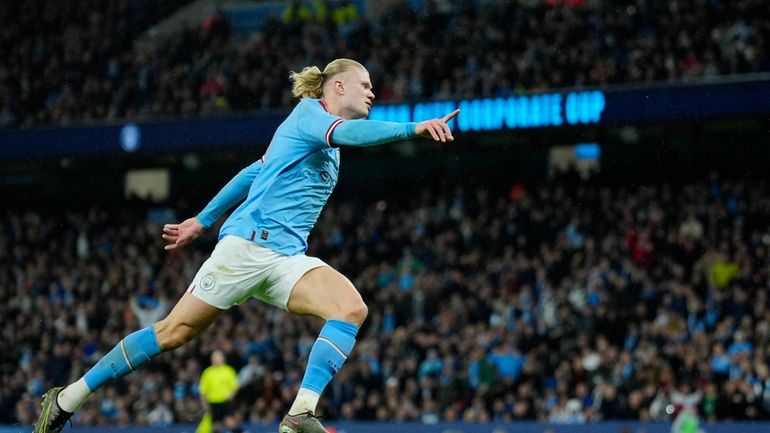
column 316, row 125
column 371, row 132
column 235, row 190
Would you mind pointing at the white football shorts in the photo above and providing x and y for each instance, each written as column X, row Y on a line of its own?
column 239, row 269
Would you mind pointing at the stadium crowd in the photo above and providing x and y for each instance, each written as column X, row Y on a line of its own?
column 545, row 302
column 77, row 65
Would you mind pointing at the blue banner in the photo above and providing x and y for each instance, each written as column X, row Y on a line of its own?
column 131, row 137
column 515, row 112
column 593, row 107
column 611, row 106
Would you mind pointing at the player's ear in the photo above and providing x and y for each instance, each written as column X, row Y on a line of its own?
column 339, row 87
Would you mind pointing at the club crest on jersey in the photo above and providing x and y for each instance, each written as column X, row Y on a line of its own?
column 208, row 282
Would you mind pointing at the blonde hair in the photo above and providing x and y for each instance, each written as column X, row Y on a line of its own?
column 310, row 82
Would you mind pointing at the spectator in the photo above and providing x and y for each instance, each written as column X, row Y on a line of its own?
column 148, row 309
column 517, row 320
column 81, row 66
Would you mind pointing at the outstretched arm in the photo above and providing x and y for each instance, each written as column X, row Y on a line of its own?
column 374, row 132
column 179, row 235
column 235, row 190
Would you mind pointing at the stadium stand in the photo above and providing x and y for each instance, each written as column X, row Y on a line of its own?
column 557, row 302
column 562, row 301
column 81, row 67
column 61, row 59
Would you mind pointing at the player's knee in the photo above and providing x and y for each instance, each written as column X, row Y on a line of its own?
column 356, row 312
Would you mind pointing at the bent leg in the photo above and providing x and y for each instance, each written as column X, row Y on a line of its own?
column 325, row 293
column 189, row 318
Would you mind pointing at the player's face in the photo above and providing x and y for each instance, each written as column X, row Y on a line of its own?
column 358, row 97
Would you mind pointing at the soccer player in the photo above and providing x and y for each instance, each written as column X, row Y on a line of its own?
column 261, row 246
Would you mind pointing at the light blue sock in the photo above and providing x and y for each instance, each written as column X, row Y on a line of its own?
column 131, row 353
column 328, row 354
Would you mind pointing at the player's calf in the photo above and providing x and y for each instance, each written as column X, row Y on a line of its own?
column 172, row 336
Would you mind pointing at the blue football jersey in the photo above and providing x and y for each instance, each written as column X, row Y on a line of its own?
column 297, row 176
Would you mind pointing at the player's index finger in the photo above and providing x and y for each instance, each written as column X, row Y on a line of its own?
column 450, row 116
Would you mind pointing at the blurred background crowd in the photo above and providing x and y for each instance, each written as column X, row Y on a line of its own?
column 77, row 62
column 559, row 302
column 556, row 300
